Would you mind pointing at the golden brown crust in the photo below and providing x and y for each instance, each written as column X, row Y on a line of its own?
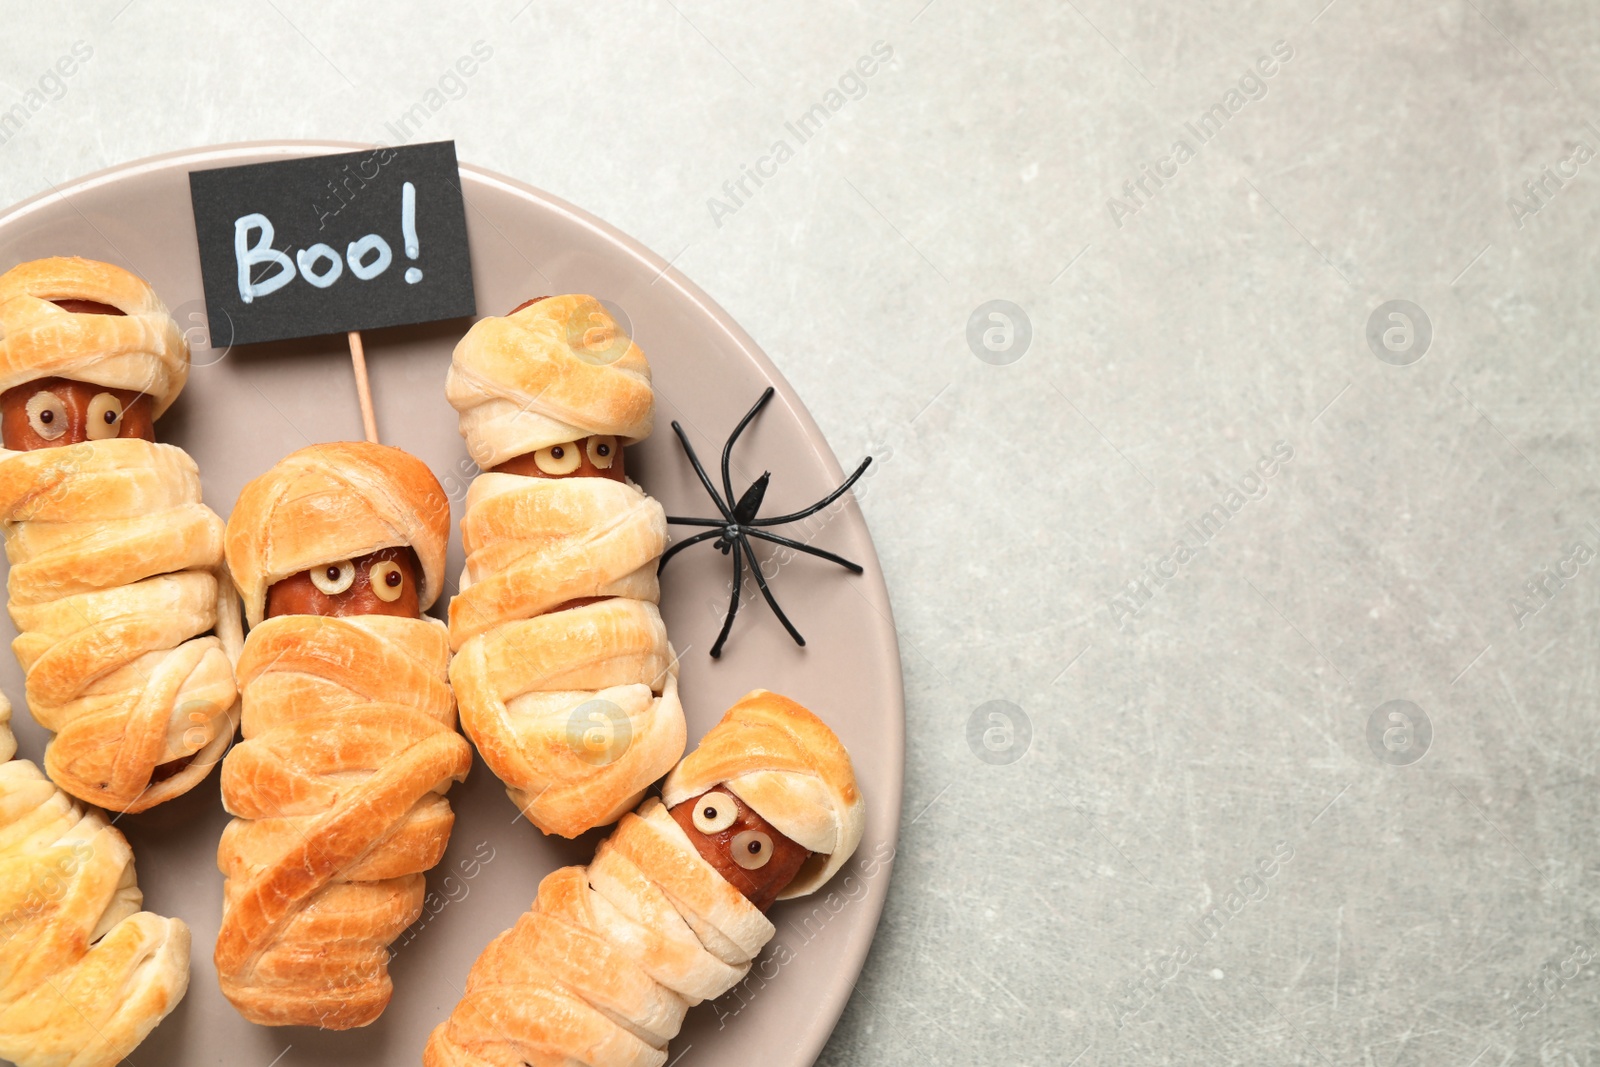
column 337, row 788
column 600, row 971
column 551, row 372
column 535, row 543
column 576, row 711
column 552, row 984
column 335, row 501
column 86, row 975
column 142, row 350
column 603, row 968
column 113, row 586
column 556, row 626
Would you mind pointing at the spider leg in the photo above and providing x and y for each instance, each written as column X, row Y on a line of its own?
column 727, row 449
column 681, row 545
column 733, row 603
column 800, row 547
column 694, row 461
column 819, row 505
column 761, row 583
column 697, row 522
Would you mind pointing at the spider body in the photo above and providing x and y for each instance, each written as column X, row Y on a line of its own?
column 744, row 513
column 741, row 521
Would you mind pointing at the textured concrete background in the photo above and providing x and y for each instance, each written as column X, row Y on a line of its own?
column 1174, row 510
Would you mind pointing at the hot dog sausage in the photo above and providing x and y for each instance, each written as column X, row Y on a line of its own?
column 745, row 849
column 379, row 583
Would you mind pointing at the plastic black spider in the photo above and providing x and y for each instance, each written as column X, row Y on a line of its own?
column 739, row 523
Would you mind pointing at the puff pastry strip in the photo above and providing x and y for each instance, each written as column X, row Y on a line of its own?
column 572, row 703
column 85, row 975
column 114, row 587
column 337, row 790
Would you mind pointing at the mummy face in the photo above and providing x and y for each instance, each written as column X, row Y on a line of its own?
column 52, row 412
column 747, row 850
column 598, row 456
column 380, row 583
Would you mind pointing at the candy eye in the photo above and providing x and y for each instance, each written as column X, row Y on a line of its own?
column 387, row 579
column 714, row 813
column 602, row 452
column 105, row 417
column 751, row 849
column 558, row 459
column 47, row 415
column 334, row 578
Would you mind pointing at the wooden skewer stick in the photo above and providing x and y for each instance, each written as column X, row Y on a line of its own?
column 358, row 359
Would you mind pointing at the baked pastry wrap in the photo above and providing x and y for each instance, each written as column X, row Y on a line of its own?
column 571, row 700
column 349, row 745
column 115, row 561
column 333, row 501
column 602, row 969
column 553, row 371
column 85, row 974
column 142, row 349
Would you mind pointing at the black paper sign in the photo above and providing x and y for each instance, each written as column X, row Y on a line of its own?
column 328, row 244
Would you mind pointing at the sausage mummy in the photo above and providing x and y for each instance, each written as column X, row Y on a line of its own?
column 86, row 974
column 349, row 732
column 566, row 681
column 602, row 969
column 115, row 577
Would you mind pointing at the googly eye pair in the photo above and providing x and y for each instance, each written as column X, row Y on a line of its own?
column 714, row 813
column 565, row 458
column 385, row 576
column 47, row 416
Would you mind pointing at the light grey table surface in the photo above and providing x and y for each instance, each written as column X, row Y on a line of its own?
column 1194, row 831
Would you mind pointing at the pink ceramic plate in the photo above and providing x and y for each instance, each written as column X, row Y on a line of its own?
column 246, row 407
